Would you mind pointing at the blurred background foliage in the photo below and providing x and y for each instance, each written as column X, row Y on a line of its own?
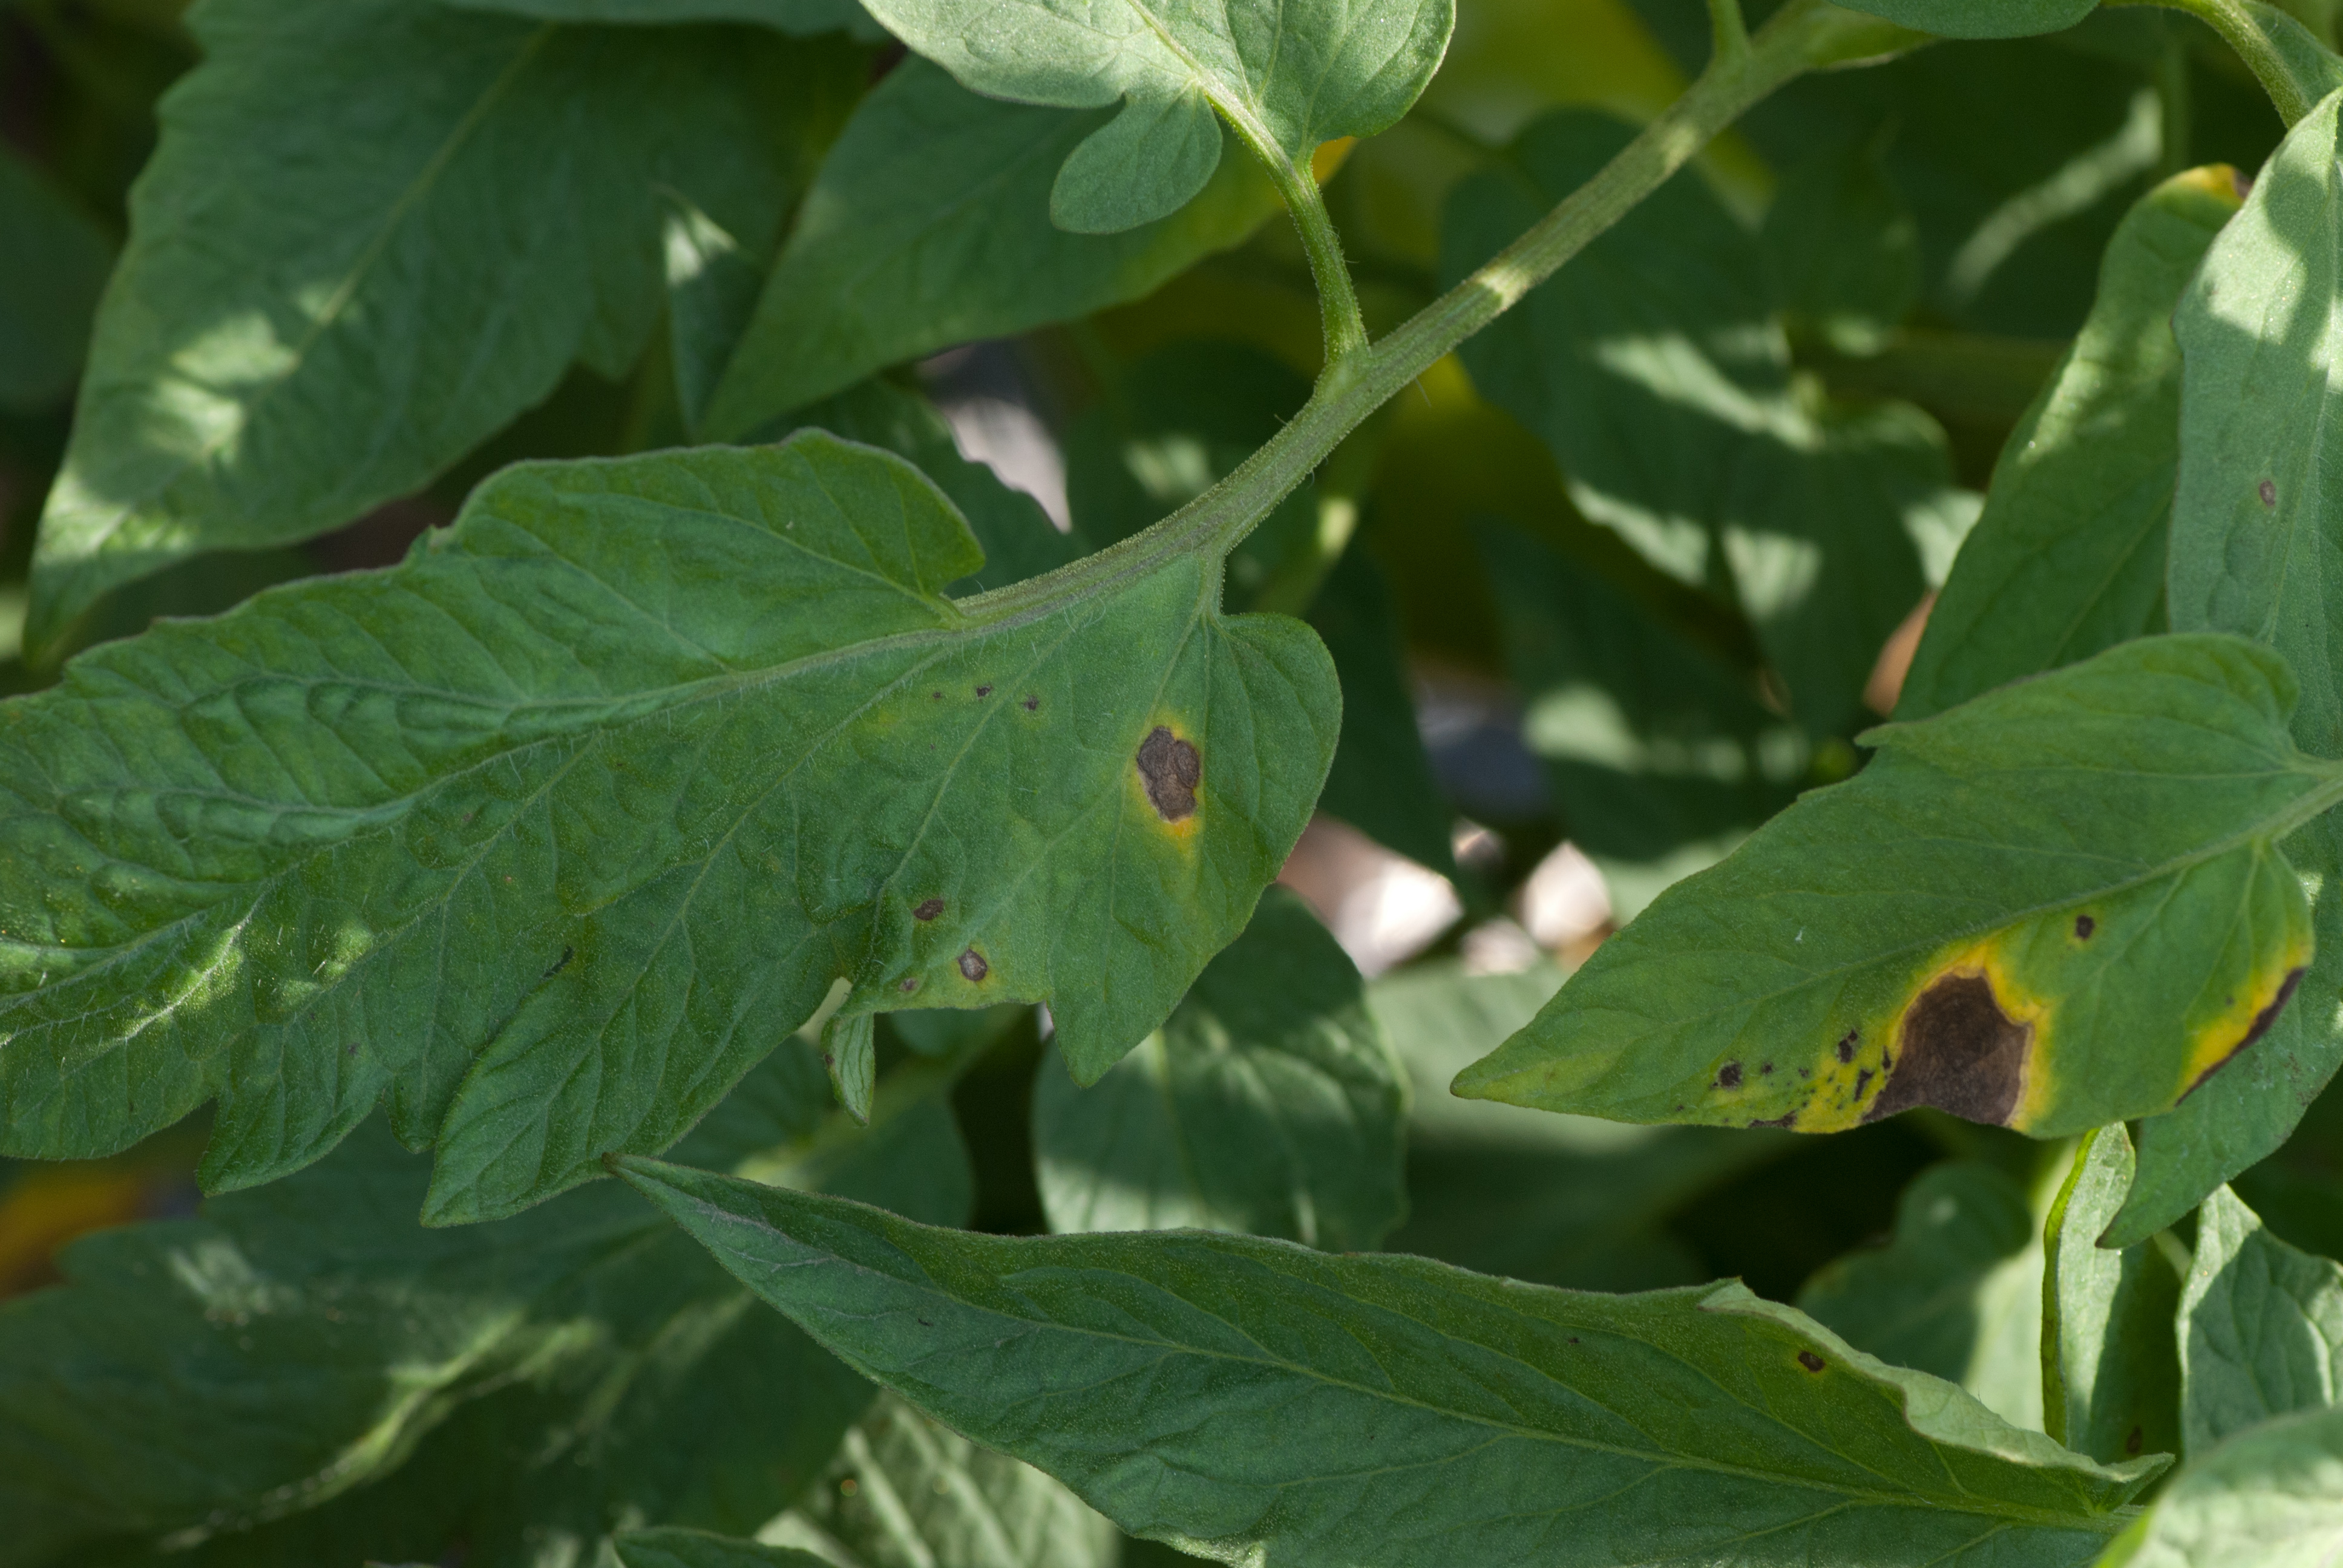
column 1559, row 699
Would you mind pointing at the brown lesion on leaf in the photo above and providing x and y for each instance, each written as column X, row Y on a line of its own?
column 1957, row 1048
column 1729, row 1076
column 2263, row 1019
column 2084, row 927
column 928, row 910
column 972, row 966
column 1811, row 1362
column 1171, row 770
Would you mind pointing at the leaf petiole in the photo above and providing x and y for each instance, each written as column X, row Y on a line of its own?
column 1728, row 29
column 2252, row 44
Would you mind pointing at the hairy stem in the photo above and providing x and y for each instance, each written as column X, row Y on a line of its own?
column 2246, row 39
column 1728, row 33
column 1804, row 33
column 1338, row 302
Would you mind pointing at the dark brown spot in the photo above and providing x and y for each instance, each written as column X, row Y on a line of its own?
column 2270, row 492
column 936, row 695
column 928, row 910
column 923, row 1322
column 910, row 983
column 1788, row 1119
column 2262, row 1021
column 1846, row 1046
column 1764, row 1069
column 1032, row 703
column 1862, row 1081
column 972, row 965
column 1573, row 1339
column 351, row 1050
column 2084, row 927
column 2132, row 1440
column 1811, row 1362
column 1171, row 770
column 984, row 692
column 562, row 962
column 1729, row 1076
column 1957, row 1051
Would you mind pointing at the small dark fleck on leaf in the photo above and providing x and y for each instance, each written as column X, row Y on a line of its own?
column 1788, row 1119
column 984, row 692
column 2270, row 492
column 1765, row 1068
column 2132, row 1440
column 972, row 965
column 1805, row 1073
column 910, row 983
column 1846, row 1046
column 2084, row 927
column 352, row 1049
column 928, row 910
column 1729, row 1076
column 1170, row 769
column 1032, row 703
column 1811, row 1362
column 562, row 962
column 827, row 1060
column 1862, row 1082
column 923, row 1322
column 1573, row 1339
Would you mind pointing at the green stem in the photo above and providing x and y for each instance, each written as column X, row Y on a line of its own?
column 1338, row 302
column 2245, row 38
column 1803, row 34
column 1728, row 32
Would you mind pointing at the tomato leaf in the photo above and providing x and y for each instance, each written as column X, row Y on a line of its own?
column 1249, row 1397
column 2110, row 1373
column 2270, row 1497
column 2260, row 1327
column 1288, row 78
column 53, row 263
column 2057, row 906
column 550, row 833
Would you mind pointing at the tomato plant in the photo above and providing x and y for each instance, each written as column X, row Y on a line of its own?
column 726, row 963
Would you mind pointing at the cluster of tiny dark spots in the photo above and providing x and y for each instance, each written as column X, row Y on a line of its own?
column 928, row 910
column 1787, row 1118
column 2084, row 927
column 1811, row 1362
column 1729, row 1076
column 1846, row 1046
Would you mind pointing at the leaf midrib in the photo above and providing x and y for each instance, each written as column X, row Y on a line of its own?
column 2106, row 1523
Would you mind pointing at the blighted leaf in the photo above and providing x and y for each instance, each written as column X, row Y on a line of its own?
column 2257, row 549
column 1842, row 248
column 2260, row 1327
column 1554, row 1199
column 53, row 263
column 2069, row 556
column 674, row 1548
column 2059, row 905
column 315, row 313
column 1268, row 1104
column 1287, row 77
column 1253, row 1399
column 908, row 1492
column 302, row 1376
column 1979, row 18
column 800, row 16
column 551, row 832
column 929, row 226
column 1957, row 1292
column 2110, row 1373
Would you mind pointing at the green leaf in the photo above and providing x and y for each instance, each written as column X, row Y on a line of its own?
column 550, row 833
column 2054, row 907
column 1269, row 1104
column 1287, row 79
column 1556, row 1200
column 53, row 263
column 1978, row 18
column 906, row 1492
column 1842, row 248
column 1655, row 370
column 799, row 16
column 314, row 316
column 2069, row 556
column 2270, row 1497
column 1259, row 1402
column 929, row 226
column 305, row 1355
column 711, row 292
column 1655, row 750
column 1018, row 538
column 2255, row 414
column 700, row 1549
column 1957, row 1292
column 2260, row 1327
column 2110, row 1368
